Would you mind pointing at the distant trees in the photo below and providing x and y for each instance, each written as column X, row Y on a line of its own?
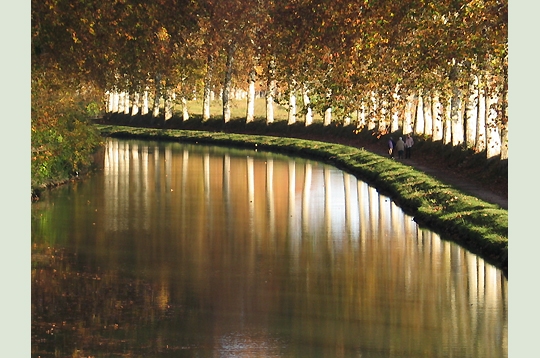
column 435, row 68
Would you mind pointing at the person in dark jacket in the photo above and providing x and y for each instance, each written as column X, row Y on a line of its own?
column 391, row 145
column 408, row 145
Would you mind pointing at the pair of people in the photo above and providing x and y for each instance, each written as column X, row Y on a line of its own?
column 401, row 147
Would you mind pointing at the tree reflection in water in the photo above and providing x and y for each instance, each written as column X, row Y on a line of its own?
column 205, row 251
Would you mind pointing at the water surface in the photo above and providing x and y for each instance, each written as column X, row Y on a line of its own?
column 188, row 250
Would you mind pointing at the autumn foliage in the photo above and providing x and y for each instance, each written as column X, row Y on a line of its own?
column 372, row 56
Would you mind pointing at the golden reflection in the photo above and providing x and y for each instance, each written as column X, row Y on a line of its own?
column 260, row 254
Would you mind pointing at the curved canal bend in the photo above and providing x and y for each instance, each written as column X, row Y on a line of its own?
column 180, row 249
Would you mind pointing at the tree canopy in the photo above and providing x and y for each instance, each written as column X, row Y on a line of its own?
column 343, row 50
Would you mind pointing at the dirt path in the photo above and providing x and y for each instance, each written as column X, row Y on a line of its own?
column 433, row 165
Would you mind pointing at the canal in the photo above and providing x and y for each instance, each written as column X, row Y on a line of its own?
column 186, row 250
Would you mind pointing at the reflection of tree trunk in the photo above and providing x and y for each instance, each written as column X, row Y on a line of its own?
column 270, row 196
column 251, row 193
column 206, row 178
column 327, row 201
column 306, row 195
column 292, row 197
column 348, row 208
column 363, row 216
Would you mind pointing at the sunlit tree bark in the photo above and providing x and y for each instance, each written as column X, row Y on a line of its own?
column 250, row 115
column 144, row 110
column 185, row 112
column 437, row 117
column 227, row 84
column 291, row 116
column 308, row 117
column 135, row 104
column 207, row 92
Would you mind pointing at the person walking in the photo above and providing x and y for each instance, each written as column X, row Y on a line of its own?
column 391, row 145
column 400, row 147
column 408, row 145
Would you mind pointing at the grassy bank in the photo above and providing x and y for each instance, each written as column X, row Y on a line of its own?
column 480, row 227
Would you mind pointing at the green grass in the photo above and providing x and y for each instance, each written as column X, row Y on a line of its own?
column 478, row 226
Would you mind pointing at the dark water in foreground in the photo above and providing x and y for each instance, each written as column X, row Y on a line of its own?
column 180, row 250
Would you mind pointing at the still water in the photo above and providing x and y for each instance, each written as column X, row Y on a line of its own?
column 185, row 250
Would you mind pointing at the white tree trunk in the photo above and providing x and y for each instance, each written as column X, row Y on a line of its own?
column 116, row 101
column 384, row 116
column 394, row 120
column 144, row 110
column 155, row 108
column 327, row 117
column 428, row 115
column 480, row 140
column 447, row 123
column 121, row 102
column 270, row 102
column 361, row 116
column 207, row 92
column 126, row 103
column 250, row 115
column 492, row 129
column 135, row 104
column 408, row 115
column 270, row 92
column 471, row 113
column 372, row 113
column 308, row 119
column 228, row 83
column 456, row 117
column 168, row 105
column 504, row 117
column 185, row 113
column 109, row 96
column 292, row 107
column 437, row 118
column 419, row 120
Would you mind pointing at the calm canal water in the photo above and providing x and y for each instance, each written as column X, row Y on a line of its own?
column 184, row 250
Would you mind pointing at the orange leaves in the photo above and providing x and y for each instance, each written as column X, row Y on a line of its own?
column 163, row 35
